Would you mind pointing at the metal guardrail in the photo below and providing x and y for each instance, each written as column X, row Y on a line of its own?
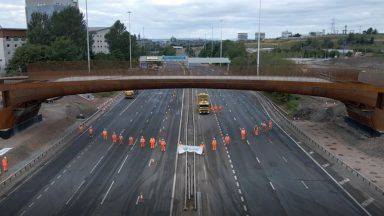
column 54, row 148
column 323, row 151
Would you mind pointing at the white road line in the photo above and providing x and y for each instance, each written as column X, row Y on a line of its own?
column 311, row 152
column 245, row 208
column 233, row 171
column 258, row 161
column 367, row 202
column 59, row 176
column 285, row 160
column 237, row 184
column 229, row 156
column 122, row 164
column 325, row 165
column 234, row 118
column 272, row 185
column 205, row 173
column 239, row 190
column 231, row 166
column 230, row 161
column 46, row 189
column 77, row 189
column 38, row 197
column 94, row 167
column 30, row 205
column 230, row 110
column 344, row 181
column 106, row 194
column 109, row 148
column 306, row 187
column 64, row 171
column 137, row 200
column 53, row 182
column 128, row 107
column 23, row 213
column 242, row 199
column 235, row 177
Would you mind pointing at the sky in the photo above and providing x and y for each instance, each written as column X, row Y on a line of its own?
column 163, row 19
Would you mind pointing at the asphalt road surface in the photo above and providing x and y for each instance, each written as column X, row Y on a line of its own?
column 263, row 175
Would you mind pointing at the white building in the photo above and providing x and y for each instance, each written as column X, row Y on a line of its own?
column 100, row 45
column 242, row 36
column 286, row 34
column 47, row 6
column 262, row 35
column 10, row 40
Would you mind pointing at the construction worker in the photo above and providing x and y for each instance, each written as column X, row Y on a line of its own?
column 214, row 144
column 90, row 131
column 152, row 142
column 227, row 139
column 142, row 142
column 264, row 126
column 130, row 141
column 256, row 129
column 121, row 139
column 162, row 144
column 105, row 134
column 202, row 145
column 4, row 164
column 81, row 128
column 243, row 134
column 114, row 138
column 270, row 124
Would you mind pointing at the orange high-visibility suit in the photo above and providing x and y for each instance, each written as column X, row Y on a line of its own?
column 81, row 128
column 270, row 124
column 243, row 134
column 105, row 135
column 130, row 141
column 264, row 126
column 152, row 142
column 90, row 132
column 121, row 139
column 142, row 142
column 214, row 144
column 227, row 139
column 162, row 144
column 4, row 164
column 114, row 138
column 256, row 131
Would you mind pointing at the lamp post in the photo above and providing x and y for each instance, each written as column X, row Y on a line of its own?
column 221, row 40
column 130, row 41
column 88, row 55
column 258, row 43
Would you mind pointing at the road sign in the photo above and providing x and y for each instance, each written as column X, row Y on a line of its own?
column 174, row 58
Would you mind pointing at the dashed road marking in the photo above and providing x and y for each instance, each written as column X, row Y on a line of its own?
column 23, row 213
column 242, row 199
column 237, row 184
column 235, row 177
column 109, row 148
column 106, row 194
column 272, row 186
column 344, row 181
column 53, row 182
column 30, row 205
column 64, row 171
column 234, row 118
column 325, row 165
column 367, row 202
column 94, row 167
column 258, row 161
column 38, row 197
column 122, row 164
column 231, row 166
column 311, row 152
column 285, row 160
column 239, row 190
column 248, row 142
column 306, row 187
column 245, row 208
column 59, row 176
column 233, row 171
column 46, row 189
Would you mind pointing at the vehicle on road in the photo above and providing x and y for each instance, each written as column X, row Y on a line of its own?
column 129, row 94
column 203, row 105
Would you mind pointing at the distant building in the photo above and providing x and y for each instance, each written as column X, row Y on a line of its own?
column 286, row 34
column 317, row 34
column 99, row 45
column 242, row 36
column 262, row 36
column 47, row 6
column 10, row 40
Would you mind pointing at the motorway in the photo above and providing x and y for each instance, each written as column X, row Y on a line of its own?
column 264, row 175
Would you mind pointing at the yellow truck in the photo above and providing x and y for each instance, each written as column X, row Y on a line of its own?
column 203, row 105
column 130, row 93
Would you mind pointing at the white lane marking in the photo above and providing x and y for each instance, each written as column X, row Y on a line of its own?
column 106, row 194
column 205, row 173
column 311, row 152
column 248, row 142
column 38, row 197
column 137, row 200
column 242, row 199
column 233, row 171
column 69, row 166
column 94, row 167
column 235, row 177
column 122, row 164
column 285, row 160
column 229, row 156
column 272, row 185
column 230, row 161
column 46, row 189
column 306, row 187
column 58, row 177
column 109, row 148
column 30, row 205
column 64, row 171
column 258, row 161
column 53, row 182
column 234, row 118
column 231, row 166
column 344, row 181
column 77, row 189
column 325, row 165
column 23, row 213
column 128, row 106
column 245, row 208
column 230, row 111
column 239, row 190
column 367, row 202
column 175, row 171
column 237, row 184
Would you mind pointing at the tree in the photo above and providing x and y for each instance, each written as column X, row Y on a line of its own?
column 64, row 49
column 297, row 35
column 26, row 54
column 118, row 41
column 370, row 31
column 39, row 29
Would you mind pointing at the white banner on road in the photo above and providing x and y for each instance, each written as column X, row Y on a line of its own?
column 4, row 150
column 186, row 148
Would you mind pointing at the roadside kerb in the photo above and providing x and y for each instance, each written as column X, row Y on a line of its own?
column 70, row 134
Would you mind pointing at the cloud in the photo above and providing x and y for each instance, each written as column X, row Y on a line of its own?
column 195, row 18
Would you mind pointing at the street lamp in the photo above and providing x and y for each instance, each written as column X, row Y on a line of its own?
column 88, row 55
column 258, row 42
column 221, row 40
column 130, row 42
